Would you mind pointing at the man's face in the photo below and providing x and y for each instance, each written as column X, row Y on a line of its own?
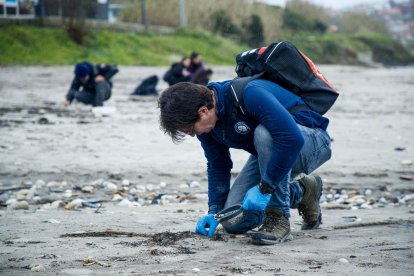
column 206, row 122
column 197, row 60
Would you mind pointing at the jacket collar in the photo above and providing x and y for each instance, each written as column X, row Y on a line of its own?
column 220, row 91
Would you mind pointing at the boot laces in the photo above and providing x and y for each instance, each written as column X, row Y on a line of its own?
column 271, row 222
column 302, row 210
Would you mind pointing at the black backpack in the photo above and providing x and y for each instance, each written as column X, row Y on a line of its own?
column 147, row 87
column 284, row 64
column 167, row 76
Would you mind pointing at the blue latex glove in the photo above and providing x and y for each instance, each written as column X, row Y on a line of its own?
column 255, row 200
column 205, row 222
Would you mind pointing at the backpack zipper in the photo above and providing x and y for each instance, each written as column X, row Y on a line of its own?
column 277, row 45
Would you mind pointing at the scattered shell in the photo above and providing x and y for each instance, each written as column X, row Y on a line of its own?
column 38, row 268
column 125, row 202
column 111, row 186
column 53, row 221
column 74, row 204
column 406, row 162
column 91, row 260
column 365, row 206
column 23, row 192
column 57, row 204
column 183, row 185
column 194, row 184
column 141, row 188
column 125, row 182
column 11, row 201
column 383, row 200
column 117, row 197
column 67, row 194
column 408, row 199
column 97, row 183
column 87, row 189
column 18, row 205
column 343, row 260
column 151, row 195
column 40, row 183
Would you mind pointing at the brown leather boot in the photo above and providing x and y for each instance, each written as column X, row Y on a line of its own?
column 274, row 230
column 309, row 207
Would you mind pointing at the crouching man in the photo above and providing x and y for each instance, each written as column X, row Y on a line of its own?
column 91, row 84
column 284, row 149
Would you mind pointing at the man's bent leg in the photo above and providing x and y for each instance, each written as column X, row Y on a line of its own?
column 314, row 153
column 248, row 177
column 84, row 97
column 276, row 227
column 288, row 192
column 103, row 92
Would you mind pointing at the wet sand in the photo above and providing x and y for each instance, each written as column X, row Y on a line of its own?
column 43, row 142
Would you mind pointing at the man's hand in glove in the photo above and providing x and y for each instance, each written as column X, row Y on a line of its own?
column 255, row 200
column 205, row 222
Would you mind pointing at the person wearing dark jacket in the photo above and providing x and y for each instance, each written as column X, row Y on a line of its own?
column 196, row 66
column 92, row 83
column 203, row 76
column 284, row 149
column 178, row 72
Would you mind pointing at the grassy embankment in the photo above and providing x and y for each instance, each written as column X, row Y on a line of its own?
column 24, row 45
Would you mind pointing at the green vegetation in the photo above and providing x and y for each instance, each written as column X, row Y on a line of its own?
column 27, row 45
column 47, row 46
column 253, row 27
column 219, row 31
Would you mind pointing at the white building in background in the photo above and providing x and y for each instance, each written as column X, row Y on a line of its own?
column 10, row 4
column 14, row 9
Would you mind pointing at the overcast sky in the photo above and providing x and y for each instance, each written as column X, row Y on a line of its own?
column 334, row 4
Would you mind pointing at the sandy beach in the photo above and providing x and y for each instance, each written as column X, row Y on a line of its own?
column 82, row 172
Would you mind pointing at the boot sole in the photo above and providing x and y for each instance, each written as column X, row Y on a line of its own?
column 319, row 220
column 262, row 241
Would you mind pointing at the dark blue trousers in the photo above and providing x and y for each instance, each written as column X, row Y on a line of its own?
column 95, row 98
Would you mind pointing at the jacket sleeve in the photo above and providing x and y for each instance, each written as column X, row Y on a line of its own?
column 219, row 165
column 74, row 87
column 287, row 137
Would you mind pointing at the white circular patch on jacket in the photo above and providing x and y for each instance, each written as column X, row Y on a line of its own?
column 242, row 128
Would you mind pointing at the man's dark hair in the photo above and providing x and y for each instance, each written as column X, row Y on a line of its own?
column 179, row 106
column 194, row 55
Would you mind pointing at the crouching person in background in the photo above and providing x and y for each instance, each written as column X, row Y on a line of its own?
column 91, row 84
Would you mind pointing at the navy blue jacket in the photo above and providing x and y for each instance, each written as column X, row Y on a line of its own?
column 266, row 104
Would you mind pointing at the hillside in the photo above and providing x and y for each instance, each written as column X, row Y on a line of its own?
column 28, row 45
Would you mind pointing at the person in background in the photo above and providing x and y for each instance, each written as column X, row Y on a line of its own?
column 92, row 83
column 196, row 65
column 178, row 72
column 203, row 76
